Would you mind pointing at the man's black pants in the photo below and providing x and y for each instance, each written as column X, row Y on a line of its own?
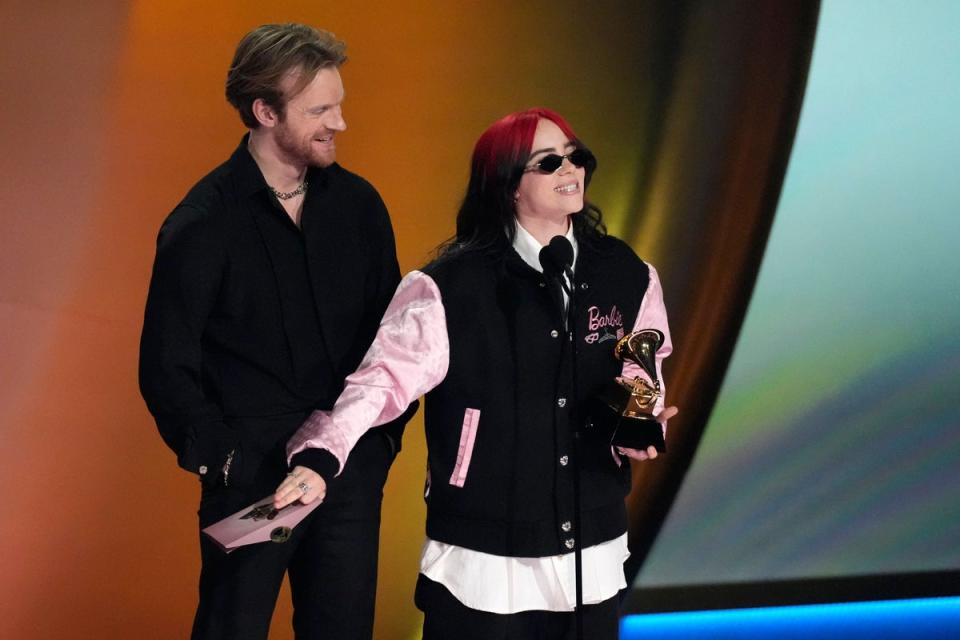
column 331, row 556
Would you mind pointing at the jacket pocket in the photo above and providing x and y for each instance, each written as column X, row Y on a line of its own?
column 468, row 434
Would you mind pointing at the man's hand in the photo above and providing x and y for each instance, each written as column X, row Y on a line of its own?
column 302, row 484
column 651, row 452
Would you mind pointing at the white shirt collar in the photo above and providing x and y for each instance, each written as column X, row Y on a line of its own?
column 529, row 248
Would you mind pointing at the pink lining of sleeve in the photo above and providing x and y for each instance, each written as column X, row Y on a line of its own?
column 409, row 357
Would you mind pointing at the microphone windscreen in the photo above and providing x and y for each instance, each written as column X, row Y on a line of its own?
column 557, row 256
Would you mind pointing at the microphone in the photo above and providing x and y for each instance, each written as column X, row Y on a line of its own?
column 556, row 259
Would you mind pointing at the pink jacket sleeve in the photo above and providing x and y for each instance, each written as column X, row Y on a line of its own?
column 652, row 315
column 409, row 357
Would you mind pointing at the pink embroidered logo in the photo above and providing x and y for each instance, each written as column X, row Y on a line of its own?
column 603, row 327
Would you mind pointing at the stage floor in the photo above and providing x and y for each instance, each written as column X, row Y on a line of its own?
column 917, row 619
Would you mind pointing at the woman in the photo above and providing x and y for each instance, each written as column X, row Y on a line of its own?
column 482, row 332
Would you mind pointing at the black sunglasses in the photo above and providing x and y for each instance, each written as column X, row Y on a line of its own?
column 551, row 162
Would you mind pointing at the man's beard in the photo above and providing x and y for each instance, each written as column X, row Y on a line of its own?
column 301, row 151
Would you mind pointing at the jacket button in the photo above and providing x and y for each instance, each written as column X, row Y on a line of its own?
column 202, row 470
column 561, row 402
column 564, row 460
column 543, row 284
column 568, row 543
column 554, row 333
column 583, row 285
column 566, row 526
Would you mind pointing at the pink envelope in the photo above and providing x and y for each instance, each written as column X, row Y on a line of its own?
column 259, row 522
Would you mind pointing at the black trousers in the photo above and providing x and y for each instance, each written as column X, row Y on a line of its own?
column 331, row 557
column 446, row 618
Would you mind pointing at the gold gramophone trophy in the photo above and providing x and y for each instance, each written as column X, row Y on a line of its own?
column 632, row 402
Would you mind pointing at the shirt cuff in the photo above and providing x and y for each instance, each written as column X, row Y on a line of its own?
column 321, row 461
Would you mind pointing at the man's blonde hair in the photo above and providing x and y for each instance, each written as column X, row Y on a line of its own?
column 267, row 54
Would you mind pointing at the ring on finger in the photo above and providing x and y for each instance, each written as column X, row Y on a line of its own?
column 304, row 487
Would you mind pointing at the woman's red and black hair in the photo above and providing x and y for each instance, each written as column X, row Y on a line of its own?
column 486, row 217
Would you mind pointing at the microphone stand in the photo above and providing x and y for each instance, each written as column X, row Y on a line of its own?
column 575, row 413
column 557, row 259
column 571, row 336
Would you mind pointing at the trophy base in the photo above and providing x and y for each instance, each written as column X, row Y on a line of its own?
column 638, row 433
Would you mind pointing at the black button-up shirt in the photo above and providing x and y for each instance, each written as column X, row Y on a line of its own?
column 295, row 267
column 250, row 322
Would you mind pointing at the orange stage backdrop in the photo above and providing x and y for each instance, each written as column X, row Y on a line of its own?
column 110, row 112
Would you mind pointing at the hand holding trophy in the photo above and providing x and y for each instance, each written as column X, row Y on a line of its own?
column 632, row 402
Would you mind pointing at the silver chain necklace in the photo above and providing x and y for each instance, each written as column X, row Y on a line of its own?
column 286, row 195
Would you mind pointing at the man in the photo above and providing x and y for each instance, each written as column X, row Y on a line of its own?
column 269, row 283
